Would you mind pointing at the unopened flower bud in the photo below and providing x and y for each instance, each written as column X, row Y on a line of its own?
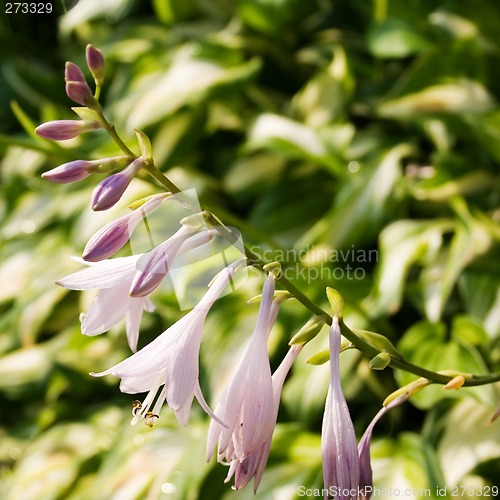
column 95, row 62
column 114, row 235
column 308, row 331
column 72, row 73
column 61, row 130
column 79, row 169
column 80, row 92
column 69, row 172
column 111, row 189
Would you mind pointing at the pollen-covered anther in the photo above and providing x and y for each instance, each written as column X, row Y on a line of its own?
column 136, row 406
column 150, row 418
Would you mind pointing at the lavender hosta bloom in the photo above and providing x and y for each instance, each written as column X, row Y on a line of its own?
column 114, row 235
column 62, row 130
column 80, row 169
column 247, row 405
column 171, row 360
column 365, row 468
column 95, row 62
column 111, row 189
column 112, row 303
column 338, row 441
column 255, row 463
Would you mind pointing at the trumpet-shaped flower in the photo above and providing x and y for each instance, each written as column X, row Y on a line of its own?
column 171, row 360
column 255, row 463
column 112, row 303
column 365, row 468
column 338, row 443
column 247, row 406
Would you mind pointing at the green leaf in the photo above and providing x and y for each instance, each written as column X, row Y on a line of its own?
column 171, row 11
column 361, row 204
column 402, row 244
column 395, row 39
column 460, row 450
column 460, row 96
column 188, row 81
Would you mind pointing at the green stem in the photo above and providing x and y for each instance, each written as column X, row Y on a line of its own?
column 110, row 128
column 255, row 261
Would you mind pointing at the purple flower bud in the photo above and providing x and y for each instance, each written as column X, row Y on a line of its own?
column 110, row 238
column 69, row 172
column 95, row 62
column 72, row 73
column 80, row 92
column 111, row 189
column 61, row 130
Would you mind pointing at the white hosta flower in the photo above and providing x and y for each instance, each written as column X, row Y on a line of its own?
column 247, row 405
column 256, row 461
column 171, row 360
column 338, row 440
column 112, row 303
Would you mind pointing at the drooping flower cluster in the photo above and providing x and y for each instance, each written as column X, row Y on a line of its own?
column 167, row 369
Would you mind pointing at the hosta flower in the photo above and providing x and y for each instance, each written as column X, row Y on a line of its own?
column 247, row 406
column 114, row 235
column 255, row 463
column 62, row 130
column 113, row 302
column 111, row 189
column 338, row 440
column 171, row 361
column 365, row 468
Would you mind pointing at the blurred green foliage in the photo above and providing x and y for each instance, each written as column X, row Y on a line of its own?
column 318, row 126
